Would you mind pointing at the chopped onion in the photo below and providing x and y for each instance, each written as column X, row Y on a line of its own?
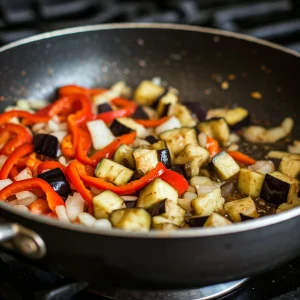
column 60, row 135
column 37, row 103
column 295, row 148
column 38, row 126
column 63, row 126
column 189, row 196
column 172, row 123
column 63, row 160
column 233, row 138
column 263, row 166
column 24, row 174
column 95, row 191
column 53, row 126
column 4, row 183
column 233, row 147
column 191, row 189
column 25, row 194
column 21, row 207
column 14, row 120
column 202, row 139
column 74, row 206
column 204, row 189
column 103, row 224
column 129, row 198
column 105, row 97
column 25, row 201
column 61, row 213
column 86, row 219
column 3, row 159
column 101, row 135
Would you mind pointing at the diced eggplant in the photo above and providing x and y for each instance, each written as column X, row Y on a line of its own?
column 183, row 115
column 147, row 92
column 124, row 156
column 159, row 222
column 170, row 124
column 197, row 221
column 113, row 172
column 288, row 206
column 289, row 167
column 151, row 139
column 159, row 145
column 177, row 139
column 216, row 128
column 169, row 210
column 154, row 192
column 140, row 113
column 104, row 107
column 185, row 204
column 278, row 188
column 225, row 165
column 46, row 144
column 137, row 174
column 57, row 179
column 156, row 101
column 199, row 111
column 105, row 203
column 140, row 130
column 250, row 183
column 216, row 220
column 197, row 181
column 178, row 169
column 207, row 204
column 130, row 204
column 245, row 206
column 131, row 219
column 165, row 103
column 145, row 159
column 165, row 157
column 118, row 128
column 282, row 154
column 169, row 226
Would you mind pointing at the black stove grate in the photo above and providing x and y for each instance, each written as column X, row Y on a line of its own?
column 277, row 21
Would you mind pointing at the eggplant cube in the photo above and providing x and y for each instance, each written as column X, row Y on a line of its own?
column 124, row 156
column 185, row 204
column 225, row 165
column 147, row 92
column 289, row 167
column 279, row 188
column 250, row 183
column 184, row 115
column 236, row 208
column 216, row 220
column 287, row 206
column 197, row 221
column 145, row 159
column 207, row 204
column 105, row 203
column 131, row 219
column 158, row 222
column 124, row 125
column 169, row 210
column 165, row 103
column 154, row 192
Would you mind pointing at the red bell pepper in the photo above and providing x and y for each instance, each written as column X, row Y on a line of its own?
column 40, row 207
column 241, row 157
column 177, row 181
column 31, row 162
column 73, row 89
column 50, row 164
column 13, row 173
column 129, row 188
column 19, row 136
column 30, row 118
column 53, row 198
column 74, row 170
column 128, row 109
column 14, row 158
column 67, row 147
column 152, row 123
column 212, row 145
column 83, row 147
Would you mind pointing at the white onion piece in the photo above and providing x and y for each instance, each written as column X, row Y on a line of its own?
column 4, row 183
column 21, row 207
column 63, row 126
column 3, row 159
column 105, row 97
column 61, row 213
column 25, row 194
column 95, row 191
column 263, row 166
column 74, row 206
column 25, row 201
column 37, row 103
column 191, row 189
column 295, row 148
column 86, row 219
column 103, row 224
column 189, row 196
column 14, row 120
column 172, row 123
column 60, row 135
column 129, row 198
column 202, row 139
column 53, row 126
column 24, row 174
column 63, row 160
column 38, row 126
column 204, row 189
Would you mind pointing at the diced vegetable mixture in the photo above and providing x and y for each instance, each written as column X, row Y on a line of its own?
column 140, row 161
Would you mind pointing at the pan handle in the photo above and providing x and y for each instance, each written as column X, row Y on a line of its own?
column 19, row 239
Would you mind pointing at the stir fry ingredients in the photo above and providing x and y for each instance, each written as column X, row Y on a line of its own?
column 108, row 159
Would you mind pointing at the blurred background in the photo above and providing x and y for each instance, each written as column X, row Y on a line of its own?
column 277, row 21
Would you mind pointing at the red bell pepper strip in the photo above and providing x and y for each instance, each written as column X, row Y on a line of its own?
column 4, row 137
column 40, row 207
column 67, row 147
column 74, row 170
column 128, row 109
column 129, row 188
column 110, row 149
column 241, row 157
column 212, row 145
column 13, row 159
column 32, row 163
column 20, row 136
column 53, row 198
column 50, row 164
column 152, row 123
column 177, row 181
column 83, row 147
column 30, row 118
column 73, row 89
column 13, row 173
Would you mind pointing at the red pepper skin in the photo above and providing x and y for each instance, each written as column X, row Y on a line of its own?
column 241, row 157
column 50, row 164
column 128, row 110
column 177, row 181
column 83, row 147
column 21, row 137
column 14, row 158
column 67, row 147
column 126, row 189
column 73, row 89
column 53, row 198
column 152, row 123
column 212, row 146
column 30, row 118
column 13, row 173
column 73, row 171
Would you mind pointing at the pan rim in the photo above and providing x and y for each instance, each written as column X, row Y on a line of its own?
column 183, row 233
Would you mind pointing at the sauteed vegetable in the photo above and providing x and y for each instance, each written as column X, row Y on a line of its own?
column 105, row 158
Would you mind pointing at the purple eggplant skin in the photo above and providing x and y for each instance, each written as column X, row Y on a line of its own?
column 241, row 124
column 245, row 218
column 57, row 179
column 104, row 107
column 199, row 111
column 155, row 103
column 197, row 221
column 159, row 208
column 140, row 114
column 46, row 144
column 274, row 190
column 130, row 204
column 118, row 128
column 178, row 169
column 151, row 139
column 165, row 157
column 165, row 112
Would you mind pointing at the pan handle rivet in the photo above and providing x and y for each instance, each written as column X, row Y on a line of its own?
column 27, row 246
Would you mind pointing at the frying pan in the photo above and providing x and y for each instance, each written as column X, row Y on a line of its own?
column 185, row 57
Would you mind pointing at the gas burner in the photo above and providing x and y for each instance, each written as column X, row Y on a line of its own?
column 204, row 293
